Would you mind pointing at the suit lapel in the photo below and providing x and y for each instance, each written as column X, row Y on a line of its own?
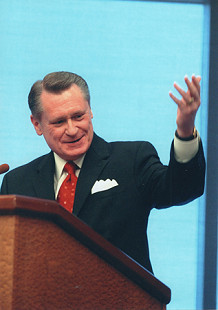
column 95, row 160
column 44, row 181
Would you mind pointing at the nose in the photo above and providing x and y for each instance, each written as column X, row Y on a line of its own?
column 71, row 129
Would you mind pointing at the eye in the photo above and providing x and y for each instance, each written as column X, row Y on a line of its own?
column 78, row 116
column 58, row 122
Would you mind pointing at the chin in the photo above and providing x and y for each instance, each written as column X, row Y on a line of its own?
column 74, row 155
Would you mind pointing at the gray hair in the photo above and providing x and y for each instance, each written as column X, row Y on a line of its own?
column 55, row 82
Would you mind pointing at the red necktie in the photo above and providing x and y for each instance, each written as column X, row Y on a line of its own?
column 67, row 190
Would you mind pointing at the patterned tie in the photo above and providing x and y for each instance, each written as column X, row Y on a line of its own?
column 67, row 190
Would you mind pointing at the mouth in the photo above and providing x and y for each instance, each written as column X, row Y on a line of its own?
column 74, row 141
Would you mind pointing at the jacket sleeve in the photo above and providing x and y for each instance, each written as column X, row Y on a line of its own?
column 175, row 184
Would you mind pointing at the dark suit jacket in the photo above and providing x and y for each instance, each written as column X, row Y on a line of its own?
column 119, row 214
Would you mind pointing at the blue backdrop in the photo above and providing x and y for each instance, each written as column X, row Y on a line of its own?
column 130, row 53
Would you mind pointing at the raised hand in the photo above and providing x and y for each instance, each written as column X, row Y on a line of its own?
column 188, row 105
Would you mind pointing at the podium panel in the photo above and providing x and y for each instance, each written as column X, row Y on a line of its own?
column 51, row 260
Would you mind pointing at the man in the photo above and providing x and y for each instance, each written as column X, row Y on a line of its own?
column 118, row 183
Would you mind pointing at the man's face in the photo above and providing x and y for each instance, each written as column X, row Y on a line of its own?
column 66, row 122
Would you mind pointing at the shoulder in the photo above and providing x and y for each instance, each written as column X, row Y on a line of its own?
column 30, row 166
column 98, row 141
column 132, row 146
column 124, row 148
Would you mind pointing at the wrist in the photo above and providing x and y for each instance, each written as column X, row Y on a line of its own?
column 188, row 137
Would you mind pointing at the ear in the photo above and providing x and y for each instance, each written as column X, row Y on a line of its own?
column 36, row 124
column 91, row 114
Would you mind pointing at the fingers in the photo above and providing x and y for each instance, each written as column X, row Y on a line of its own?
column 176, row 100
column 189, row 96
column 196, row 82
column 179, row 102
column 185, row 95
column 193, row 86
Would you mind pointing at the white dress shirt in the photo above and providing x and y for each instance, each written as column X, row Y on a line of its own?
column 186, row 150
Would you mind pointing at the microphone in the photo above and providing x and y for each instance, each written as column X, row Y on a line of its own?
column 4, row 168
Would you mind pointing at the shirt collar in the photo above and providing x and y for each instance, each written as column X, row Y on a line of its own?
column 60, row 163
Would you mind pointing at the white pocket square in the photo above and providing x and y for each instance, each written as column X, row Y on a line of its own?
column 102, row 185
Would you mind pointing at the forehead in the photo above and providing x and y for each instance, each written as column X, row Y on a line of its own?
column 71, row 99
column 71, row 96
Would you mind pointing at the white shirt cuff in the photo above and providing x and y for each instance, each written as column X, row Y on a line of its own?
column 185, row 150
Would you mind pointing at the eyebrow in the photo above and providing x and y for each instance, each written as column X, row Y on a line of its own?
column 63, row 117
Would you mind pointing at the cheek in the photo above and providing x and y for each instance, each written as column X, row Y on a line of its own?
column 54, row 133
column 90, row 132
column 90, row 126
column 86, row 127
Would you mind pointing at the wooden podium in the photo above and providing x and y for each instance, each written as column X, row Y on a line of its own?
column 51, row 260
